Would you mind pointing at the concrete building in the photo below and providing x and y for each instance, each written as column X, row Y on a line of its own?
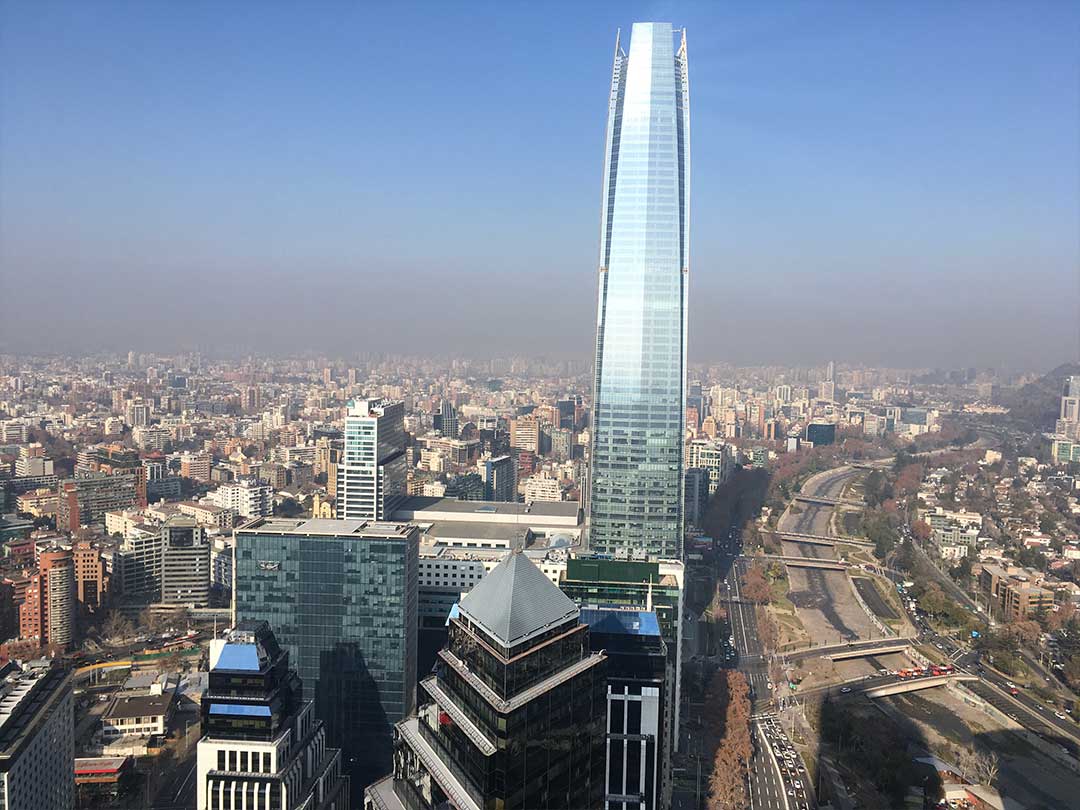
column 262, row 746
column 525, row 434
column 500, row 479
column 136, row 717
column 717, row 457
column 37, row 738
column 698, row 481
column 372, row 474
column 91, row 575
column 138, row 565
column 542, row 487
column 247, row 498
column 84, row 500
column 49, row 611
column 342, row 597
column 185, row 563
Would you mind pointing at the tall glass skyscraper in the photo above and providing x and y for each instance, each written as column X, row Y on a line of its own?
column 636, row 501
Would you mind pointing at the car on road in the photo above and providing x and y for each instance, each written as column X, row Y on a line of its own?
column 1059, row 716
column 845, row 689
column 1010, row 684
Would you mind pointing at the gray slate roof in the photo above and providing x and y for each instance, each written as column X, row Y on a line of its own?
column 516, row 600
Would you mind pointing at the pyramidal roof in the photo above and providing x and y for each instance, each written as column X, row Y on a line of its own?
column 516, row 601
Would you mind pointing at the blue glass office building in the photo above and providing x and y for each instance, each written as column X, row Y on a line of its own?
column 341, row 596
column 636, row 498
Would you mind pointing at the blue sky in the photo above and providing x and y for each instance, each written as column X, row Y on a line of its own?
column 879, row 182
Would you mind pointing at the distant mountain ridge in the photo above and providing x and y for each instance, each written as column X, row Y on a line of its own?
column 1038, row 403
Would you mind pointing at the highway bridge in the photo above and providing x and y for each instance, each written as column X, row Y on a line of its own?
column 822, row 539
column 823, row 501
column 848, row 646
column 803, row 562
column 902, row 685
column 887, row 648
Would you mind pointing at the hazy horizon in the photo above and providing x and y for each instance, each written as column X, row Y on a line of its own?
column 895, row 185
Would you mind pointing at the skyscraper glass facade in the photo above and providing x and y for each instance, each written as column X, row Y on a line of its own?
column 342, row 598
column 636, row 503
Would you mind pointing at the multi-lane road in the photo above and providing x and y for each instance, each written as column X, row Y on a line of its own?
column 773, row 775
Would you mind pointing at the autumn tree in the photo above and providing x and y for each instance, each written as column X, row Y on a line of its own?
column 921, row 530
column 1023, row 632
column 731, row 763
column 755, row 586
column 1059, row 618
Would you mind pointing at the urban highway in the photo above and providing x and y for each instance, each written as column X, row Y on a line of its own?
column 773, row 778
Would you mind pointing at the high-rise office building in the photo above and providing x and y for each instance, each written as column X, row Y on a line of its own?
column 655, row 587
column 137, row 564
column 37, row 738
column 1068, row 423
column 185, row 562
column 513, row 717
column 262, row 746
column 500, row 480
column 639, row 397
column 372, row 473
column 636, row 690
column 448, row 420
column 341, row 596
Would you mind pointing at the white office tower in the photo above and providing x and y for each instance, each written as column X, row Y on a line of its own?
column 37, row 737
column 372, row 474
column 263, row 748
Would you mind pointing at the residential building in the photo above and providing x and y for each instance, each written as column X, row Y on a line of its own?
column 185, row 563
column 32, row 461
column 195, row 466
column 207, row 513
column 37, row 737
column 132, row 718
column 637, row 680
column 262, row 746
column 247, row 498
column 1020, row 600
column 91, row 575
column 48, row 612
column 717, row 457
column 639, row 397
column 542, row 487
column 342, row 598
column 85, row 499
column 525, row 434
column 513, row 716
column 372, row 474
column 148, row 438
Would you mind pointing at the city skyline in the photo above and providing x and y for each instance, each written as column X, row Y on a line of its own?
column 846, row 197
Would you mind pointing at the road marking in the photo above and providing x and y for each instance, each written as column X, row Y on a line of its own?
column 183, row 784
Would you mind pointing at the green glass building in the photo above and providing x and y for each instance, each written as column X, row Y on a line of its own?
column 341, row 596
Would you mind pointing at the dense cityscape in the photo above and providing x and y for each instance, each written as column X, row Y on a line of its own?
column 628, row 580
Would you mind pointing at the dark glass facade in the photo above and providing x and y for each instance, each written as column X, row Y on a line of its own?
column 342, row 598
column 504, row 729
